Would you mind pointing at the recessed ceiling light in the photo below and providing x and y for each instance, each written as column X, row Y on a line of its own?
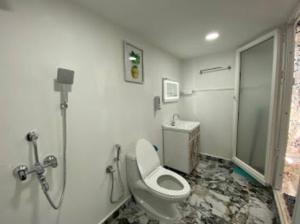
column 212, row 36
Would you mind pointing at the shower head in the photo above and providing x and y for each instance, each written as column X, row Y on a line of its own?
column 63, row 84
column 65, row 76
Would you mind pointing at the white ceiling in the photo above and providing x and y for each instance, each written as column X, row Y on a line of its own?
column 180, row 26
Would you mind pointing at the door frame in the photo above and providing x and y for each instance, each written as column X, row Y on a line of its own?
column 284, row 109
column 284, row 116
column 267, row 178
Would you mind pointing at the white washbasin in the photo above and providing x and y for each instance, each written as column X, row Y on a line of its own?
column 181, row 125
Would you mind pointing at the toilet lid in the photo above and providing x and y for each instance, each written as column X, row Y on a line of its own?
column 146, row 157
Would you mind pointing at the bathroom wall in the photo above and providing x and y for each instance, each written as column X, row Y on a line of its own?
column 37, row 37
column 212, row 104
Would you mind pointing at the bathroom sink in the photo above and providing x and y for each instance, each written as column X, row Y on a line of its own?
column 181, row 125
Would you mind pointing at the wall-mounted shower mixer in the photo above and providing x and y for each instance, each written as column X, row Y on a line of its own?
column 38, row 168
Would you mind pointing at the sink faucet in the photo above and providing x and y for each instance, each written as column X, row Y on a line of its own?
column 173, row 120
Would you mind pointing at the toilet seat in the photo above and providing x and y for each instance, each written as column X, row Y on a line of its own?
column 151, row 171
column 152, row 182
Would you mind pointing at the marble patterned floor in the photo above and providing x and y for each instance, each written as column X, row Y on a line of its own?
column 221, row 194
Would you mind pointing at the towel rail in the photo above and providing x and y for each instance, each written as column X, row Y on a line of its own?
column 214, row 69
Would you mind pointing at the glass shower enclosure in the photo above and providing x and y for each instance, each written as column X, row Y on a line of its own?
column 255, row 103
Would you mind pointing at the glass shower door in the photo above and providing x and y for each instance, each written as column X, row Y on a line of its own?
column 254, row 106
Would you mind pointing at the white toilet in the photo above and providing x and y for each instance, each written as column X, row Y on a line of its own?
column 155, row 188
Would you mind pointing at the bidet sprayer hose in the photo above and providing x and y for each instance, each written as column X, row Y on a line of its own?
column 113, row 184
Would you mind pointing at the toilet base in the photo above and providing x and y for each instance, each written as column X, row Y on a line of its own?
column 165, row 211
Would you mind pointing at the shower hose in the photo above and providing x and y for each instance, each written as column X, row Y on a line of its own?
column 45, row 190
column 113, row 183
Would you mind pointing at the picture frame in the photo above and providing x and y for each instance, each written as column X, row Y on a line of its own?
column 170, row 91
column 133, row 63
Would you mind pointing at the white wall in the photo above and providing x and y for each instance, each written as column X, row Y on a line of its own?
column 37, row 37
column 214, row 109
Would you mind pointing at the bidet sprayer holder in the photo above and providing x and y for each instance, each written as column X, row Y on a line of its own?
column 110, row 169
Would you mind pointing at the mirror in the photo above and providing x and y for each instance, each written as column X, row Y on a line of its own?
column 170, row 91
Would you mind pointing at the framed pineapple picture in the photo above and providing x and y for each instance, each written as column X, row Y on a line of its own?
column 133, row 64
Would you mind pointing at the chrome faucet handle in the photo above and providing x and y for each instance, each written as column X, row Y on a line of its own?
column 50, row 161
column 21, row 172
column 32, row 136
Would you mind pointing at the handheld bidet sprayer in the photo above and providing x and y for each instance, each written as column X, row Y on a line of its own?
column 118, row 149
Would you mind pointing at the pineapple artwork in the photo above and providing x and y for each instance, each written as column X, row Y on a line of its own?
column 133, row 57
column 135, row 60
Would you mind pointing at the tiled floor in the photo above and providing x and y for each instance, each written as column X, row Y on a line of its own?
column 221, row 193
